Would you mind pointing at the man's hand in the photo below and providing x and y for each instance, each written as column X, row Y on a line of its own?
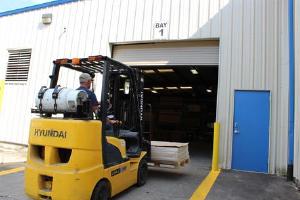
column 95, row 109
column 114, row 122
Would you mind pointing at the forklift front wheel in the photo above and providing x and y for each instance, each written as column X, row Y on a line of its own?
column 101, row 191
column 142, row 173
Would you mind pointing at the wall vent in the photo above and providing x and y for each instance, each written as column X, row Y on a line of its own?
column 18, row 65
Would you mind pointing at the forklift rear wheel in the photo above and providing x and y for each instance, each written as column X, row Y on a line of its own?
column 101, row 191
column 142, row 173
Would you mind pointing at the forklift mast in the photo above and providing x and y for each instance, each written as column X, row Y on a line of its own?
column 114, row 74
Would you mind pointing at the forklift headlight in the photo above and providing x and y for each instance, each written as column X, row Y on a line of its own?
column 48, row 185
column 46, row 182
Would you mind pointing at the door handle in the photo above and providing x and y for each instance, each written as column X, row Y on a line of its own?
column 236, row 129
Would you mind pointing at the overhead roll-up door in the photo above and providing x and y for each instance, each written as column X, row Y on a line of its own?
column 168, row 53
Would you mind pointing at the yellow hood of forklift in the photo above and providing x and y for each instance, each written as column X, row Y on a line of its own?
column 66, row 133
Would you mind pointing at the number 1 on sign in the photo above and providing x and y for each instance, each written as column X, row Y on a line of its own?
column 161, row 32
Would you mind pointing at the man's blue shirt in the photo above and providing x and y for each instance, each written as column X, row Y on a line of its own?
column 91, row 95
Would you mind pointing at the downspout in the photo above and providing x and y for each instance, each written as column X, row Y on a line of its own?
column 291, row 92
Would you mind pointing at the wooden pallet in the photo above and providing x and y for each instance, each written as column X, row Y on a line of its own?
column 168, row 164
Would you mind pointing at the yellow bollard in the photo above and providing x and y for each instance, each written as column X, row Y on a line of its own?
column 202, row 191
column 215, row 158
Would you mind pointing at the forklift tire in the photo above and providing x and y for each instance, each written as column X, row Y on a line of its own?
column 101, row 191
column 142, row 173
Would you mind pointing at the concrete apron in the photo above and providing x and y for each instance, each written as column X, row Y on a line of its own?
column 12, row 153
column 236, row 185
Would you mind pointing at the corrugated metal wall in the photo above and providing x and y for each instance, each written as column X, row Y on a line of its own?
column 253, row 38
column 254, row 55
column 297, row 92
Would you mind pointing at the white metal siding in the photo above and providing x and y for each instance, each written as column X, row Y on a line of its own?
column 177, row 53
column 297, row 92
column 254, row 55
column 253, row 37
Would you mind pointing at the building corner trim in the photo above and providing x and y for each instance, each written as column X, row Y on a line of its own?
column 291, row 91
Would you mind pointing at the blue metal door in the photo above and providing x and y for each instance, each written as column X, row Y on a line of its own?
column 251, row 131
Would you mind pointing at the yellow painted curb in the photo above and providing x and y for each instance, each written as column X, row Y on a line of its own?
column 205, row 186
column 11, row 171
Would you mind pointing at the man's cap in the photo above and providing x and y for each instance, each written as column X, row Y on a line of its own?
column 84, row 77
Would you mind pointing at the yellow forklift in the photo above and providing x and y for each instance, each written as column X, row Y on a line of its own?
column 72, row 154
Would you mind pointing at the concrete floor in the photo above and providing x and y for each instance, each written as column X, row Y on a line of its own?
column 8, row 166
column 166, row 184
column 10, row 153
column 163, row 184
column 234, row 185
column 11, row 187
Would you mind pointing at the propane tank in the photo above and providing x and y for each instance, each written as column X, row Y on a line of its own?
column 60, row 100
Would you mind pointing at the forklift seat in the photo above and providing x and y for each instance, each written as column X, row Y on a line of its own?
column 112, row 156
column 132, row 142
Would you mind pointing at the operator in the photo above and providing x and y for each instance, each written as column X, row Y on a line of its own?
column 110, row 117
column 85, row 81
column 110, row 120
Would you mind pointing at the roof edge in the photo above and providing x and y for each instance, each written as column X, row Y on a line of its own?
column 35, row 7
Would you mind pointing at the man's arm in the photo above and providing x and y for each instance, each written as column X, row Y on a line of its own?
column 94, row 102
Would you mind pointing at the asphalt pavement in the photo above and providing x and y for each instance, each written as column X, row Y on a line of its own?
column 162, row 184
column 179, row 184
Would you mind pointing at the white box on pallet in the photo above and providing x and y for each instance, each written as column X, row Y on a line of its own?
column 169, row 151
